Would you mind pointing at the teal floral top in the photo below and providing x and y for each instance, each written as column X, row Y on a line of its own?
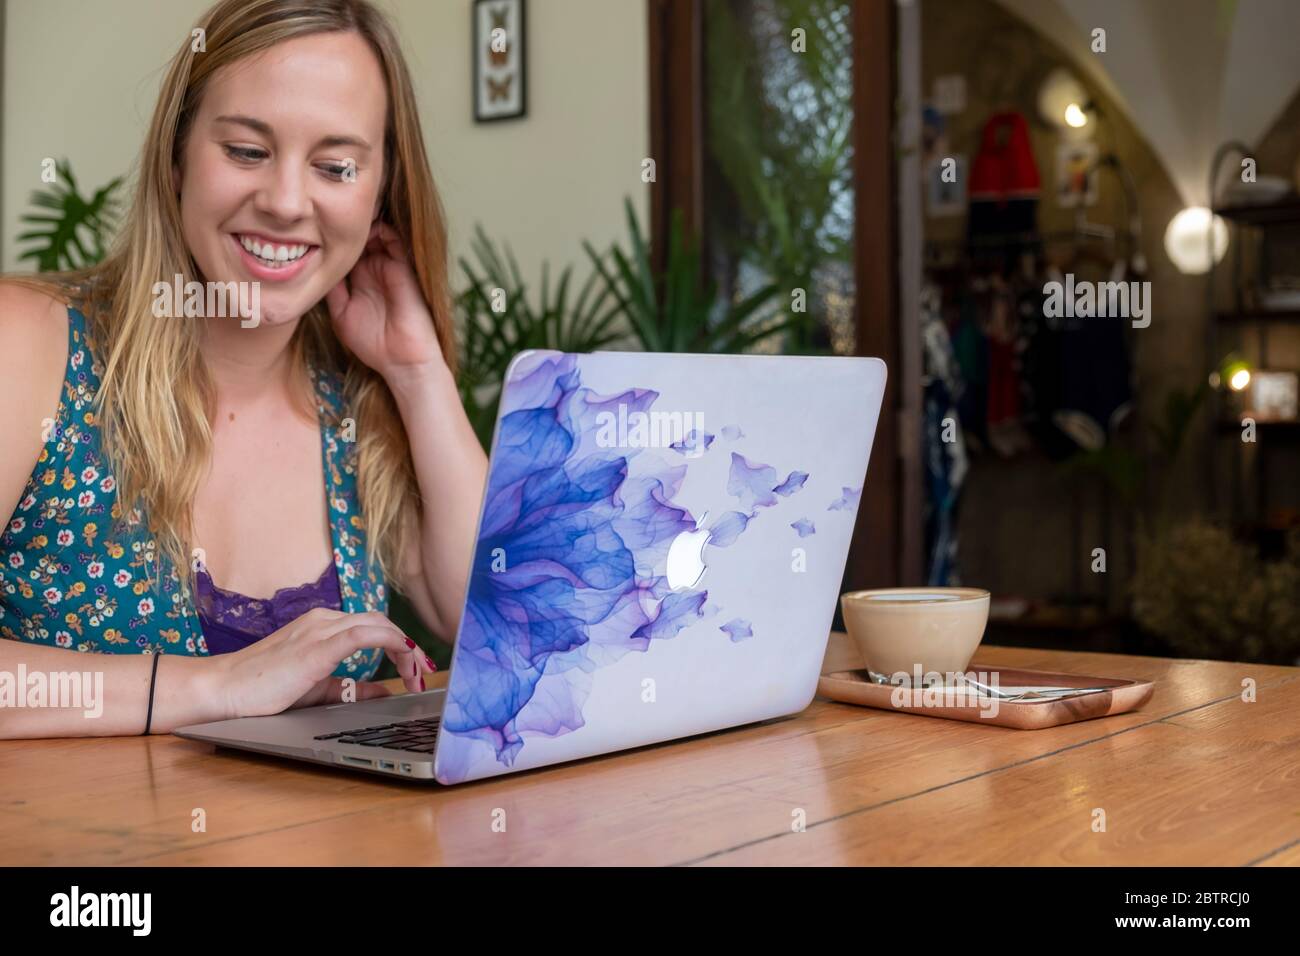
column 73, row 575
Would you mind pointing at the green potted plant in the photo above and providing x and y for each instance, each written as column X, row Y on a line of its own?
column 675, row 312
column 68, row 230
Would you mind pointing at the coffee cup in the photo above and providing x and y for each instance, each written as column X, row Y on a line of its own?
column 903, row 633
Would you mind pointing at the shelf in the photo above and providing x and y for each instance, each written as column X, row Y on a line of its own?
column 1259, row 315
column 1282, row 213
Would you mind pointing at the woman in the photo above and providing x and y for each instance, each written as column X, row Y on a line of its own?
column 192, row 471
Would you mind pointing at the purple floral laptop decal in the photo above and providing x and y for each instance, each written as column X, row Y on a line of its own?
column 612, row 575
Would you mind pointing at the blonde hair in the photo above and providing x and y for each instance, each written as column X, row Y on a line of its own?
column 156, row 399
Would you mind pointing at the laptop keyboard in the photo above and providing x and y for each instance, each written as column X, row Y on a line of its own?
column 417, row 736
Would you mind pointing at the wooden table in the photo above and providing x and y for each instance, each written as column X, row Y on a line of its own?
column 1196, row 777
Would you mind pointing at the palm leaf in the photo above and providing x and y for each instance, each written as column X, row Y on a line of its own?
column 674, row 314
column 490, row 340
column 76, row 235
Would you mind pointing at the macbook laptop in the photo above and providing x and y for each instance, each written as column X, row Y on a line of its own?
column 660, row 549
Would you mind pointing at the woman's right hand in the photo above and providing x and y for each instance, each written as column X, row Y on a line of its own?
column 293, row 667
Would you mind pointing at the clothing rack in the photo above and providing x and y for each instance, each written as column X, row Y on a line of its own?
column 964, row 263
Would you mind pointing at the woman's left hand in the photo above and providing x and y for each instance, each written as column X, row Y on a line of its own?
column 379, row 313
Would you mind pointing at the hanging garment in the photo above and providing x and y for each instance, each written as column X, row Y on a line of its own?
column 971, row 349
column 1004, row 186
column 1096, row 378
column 1041, row 360
column 944, row 446
column 1007, row 435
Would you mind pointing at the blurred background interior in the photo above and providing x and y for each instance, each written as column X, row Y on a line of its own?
column 875, row 177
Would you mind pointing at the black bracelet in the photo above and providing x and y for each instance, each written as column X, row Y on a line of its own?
column 153, row 679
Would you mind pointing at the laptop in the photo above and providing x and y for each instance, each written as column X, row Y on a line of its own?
column 660, row 549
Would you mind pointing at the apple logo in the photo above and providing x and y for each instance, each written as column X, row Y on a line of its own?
column 686, row 557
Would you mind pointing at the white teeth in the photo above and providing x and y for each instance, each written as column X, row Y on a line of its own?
column 272, row 254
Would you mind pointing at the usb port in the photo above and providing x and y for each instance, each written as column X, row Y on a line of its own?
column 387, row 765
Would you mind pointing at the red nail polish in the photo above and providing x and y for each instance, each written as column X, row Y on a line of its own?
column 410, row 643
column 432, row 665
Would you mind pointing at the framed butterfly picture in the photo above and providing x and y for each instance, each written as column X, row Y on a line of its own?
column 500, row 90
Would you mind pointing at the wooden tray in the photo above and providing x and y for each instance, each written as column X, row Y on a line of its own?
column 853, row 687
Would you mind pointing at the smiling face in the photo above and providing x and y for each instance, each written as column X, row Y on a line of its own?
column 281, row 172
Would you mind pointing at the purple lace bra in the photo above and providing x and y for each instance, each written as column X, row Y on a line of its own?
column 232, row 621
